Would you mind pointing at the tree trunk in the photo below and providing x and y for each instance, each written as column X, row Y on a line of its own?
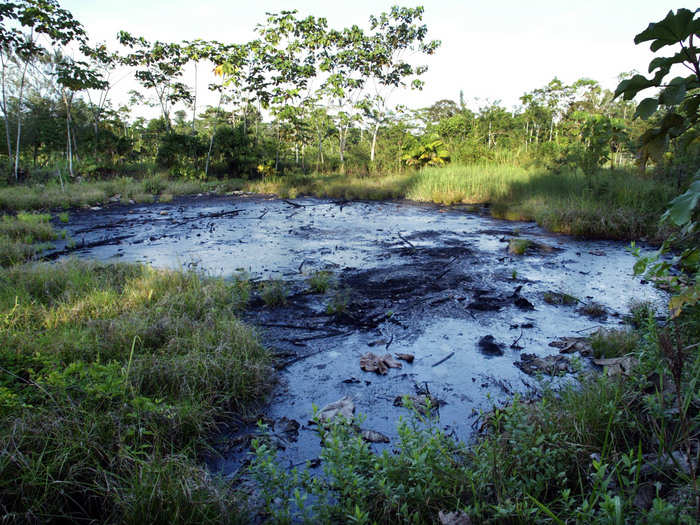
column 194, row 102
column 374, row 141
column 19, row 118
column 6, row 116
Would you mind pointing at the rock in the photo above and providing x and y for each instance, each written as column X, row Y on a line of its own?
column 406, row 357
column 132, row 201
column 343, row 407
column 617, row 365
column 380, row 364
column 569, row 345
column 656, row 466
column 95, row 208
column 489, row 346
column 115, row 198
column 550, row 365
column 287, row 428
column 163, row 212
column 372, row 436
column 523, row 303
column 457, row 517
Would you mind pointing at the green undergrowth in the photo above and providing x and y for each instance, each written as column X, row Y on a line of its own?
column 604, row 449
column 111, row 379
column 612, row 204
column 23, row 236
column 92, row 193
column 616, row 204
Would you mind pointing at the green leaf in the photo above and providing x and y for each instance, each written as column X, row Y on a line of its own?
column 646, row 108
column 631, row 86
column 675, row 28
column 681, row 209
column 674, row 92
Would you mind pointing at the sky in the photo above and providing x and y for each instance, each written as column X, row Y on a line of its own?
column 493, row 51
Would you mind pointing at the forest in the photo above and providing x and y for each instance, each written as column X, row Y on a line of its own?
column 120, row 380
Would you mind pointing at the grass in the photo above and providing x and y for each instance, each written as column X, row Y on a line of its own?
column 52, row 196
column 274, row 293
column 613, row 343
column 23, row 236
column 559, row 298
column 518, row 246
column 613, row 204
column 320, row 282
column 111, row 378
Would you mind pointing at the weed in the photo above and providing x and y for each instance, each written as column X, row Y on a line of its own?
column 320, row 281
column 518, row 246
column 594, row 310
column 274, row 293
column 613, row 343
column 559, row 298
column 339, row 302
column 63, row 217
column 165, row 197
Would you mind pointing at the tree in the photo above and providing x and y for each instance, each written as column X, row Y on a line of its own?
column 159, row 66
column 30, row 21
column 679, row 96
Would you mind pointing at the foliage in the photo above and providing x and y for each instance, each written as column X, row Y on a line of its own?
column 428, row 153
column 680, row 95
column 111, row 377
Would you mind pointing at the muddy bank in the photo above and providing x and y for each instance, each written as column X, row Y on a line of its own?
column 439, row 284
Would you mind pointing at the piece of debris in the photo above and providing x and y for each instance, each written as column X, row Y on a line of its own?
column 372, row 436
column 489, row 346
column 597, row 253
column 550, row 365
column 523, row 303
column 377, row 342
column 457, row 517
column 617, row 365
column 380, row 364
column 570, row 345
column 287, row 428
column 405, row 357
column 95, row 208
column 351, row 380
column 132, row 201
column 443, row 359
column 343, row 407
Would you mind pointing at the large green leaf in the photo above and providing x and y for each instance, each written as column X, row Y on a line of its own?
column 631, row 86
column 675, row 28
column 646, row 108
column 674, row 93
column 681, row 208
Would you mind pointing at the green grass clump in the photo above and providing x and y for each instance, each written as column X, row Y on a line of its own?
column 339, row 302
column 559, row 298
column 613, row 343
column 320, row 281
column 518, row 246
column 23, row 236
column 112, row 377
column 274, row 293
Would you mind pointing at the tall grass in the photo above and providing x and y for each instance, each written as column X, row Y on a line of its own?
column 111, row 378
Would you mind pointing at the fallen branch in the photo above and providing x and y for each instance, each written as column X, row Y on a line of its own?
column 444, row 359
